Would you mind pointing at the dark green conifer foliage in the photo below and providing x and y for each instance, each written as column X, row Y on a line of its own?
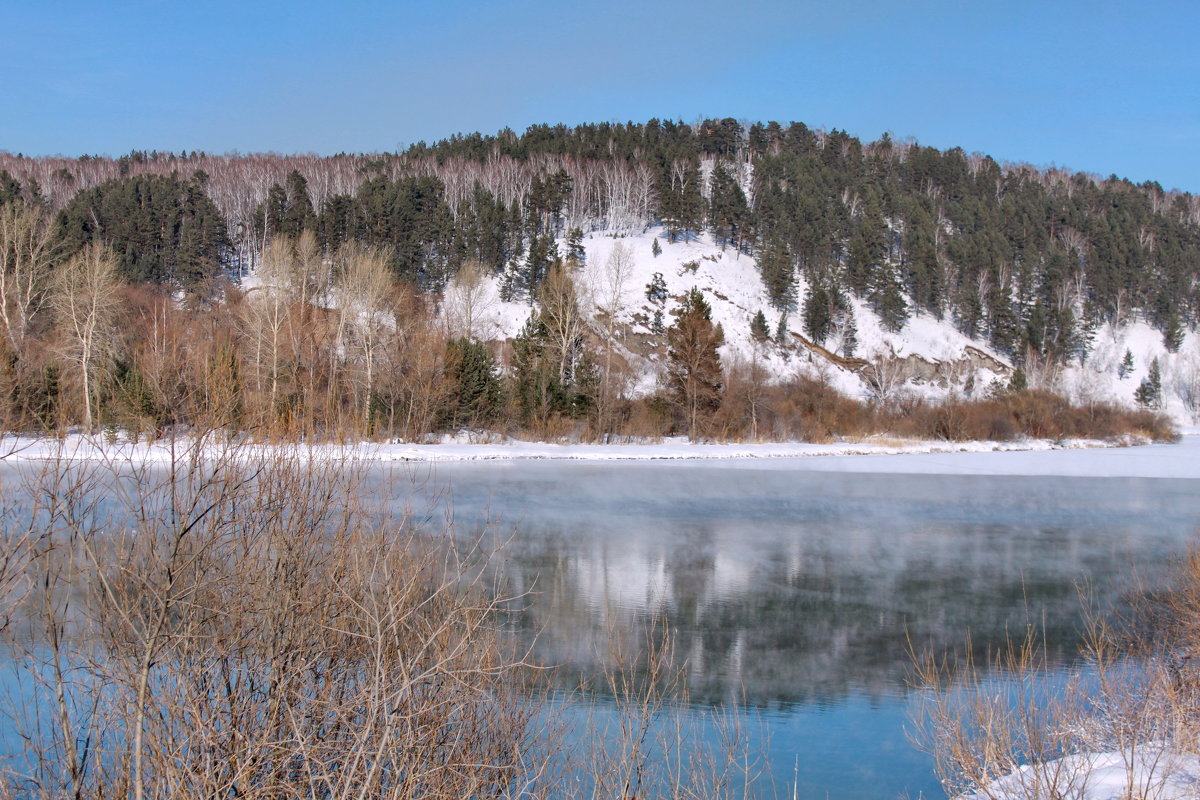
column 162, row 229
column 818, row 312
column 10, row 188
column 867, row 248
column 536, row 386
column 887, row 298
column 655, row 248
column 1173, row 331
column 758, row 327
column 576, row 254
column 777, row 266
column 477, row 394
column 656, row 289
column 1125, row 368
column 728, row 213
column 694, row 376
column 844, row 320
column 1149, row 391
column 408, row 217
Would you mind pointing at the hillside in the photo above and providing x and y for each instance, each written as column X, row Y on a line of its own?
column 927, row 357
column 391, row 294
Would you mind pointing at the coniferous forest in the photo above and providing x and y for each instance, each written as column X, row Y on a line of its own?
column 124, row 304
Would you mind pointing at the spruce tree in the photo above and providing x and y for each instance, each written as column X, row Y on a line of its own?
column 781, row 330
column 887, row 299
column 818, row 313
column 777, row 267
column 576, row 255
column 656, row 289
column 1173, row 332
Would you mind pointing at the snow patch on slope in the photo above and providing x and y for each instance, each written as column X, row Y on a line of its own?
column 937, row 356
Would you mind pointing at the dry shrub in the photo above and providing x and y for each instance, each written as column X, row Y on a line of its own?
column 242, row 627
column 1018, row 728
column 1033, row 413
column 239, row 622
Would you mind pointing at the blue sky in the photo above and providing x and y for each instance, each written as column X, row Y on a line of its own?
column 1105, row 87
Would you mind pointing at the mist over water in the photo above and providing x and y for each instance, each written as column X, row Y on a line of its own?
column 799, row 593
column 794, row 591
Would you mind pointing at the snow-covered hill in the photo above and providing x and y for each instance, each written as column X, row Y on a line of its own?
column 928, row 357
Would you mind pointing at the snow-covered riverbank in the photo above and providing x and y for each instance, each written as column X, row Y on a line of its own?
column 1083, row 458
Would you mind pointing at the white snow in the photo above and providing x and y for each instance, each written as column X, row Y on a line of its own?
column 731, row 283
column 1028, row 457
column 1153, row 773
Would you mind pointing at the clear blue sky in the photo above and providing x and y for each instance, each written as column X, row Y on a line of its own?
column 1106, row 87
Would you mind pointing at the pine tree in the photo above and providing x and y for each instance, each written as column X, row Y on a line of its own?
column 844, row 322
column 887, row 299
column 656, row 289
column 818, row 314
column 1149, row 392
column 758, row 327
column 1126, row 366
column 728, row 213
column 477, row 392
column 576, row 255
column 694, row 376
column 1173, row 332
column 781, row 330
column 778, row 270
column 655, row 248
column 535, row 381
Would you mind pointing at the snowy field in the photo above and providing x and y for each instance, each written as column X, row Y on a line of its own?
column 1029, row 457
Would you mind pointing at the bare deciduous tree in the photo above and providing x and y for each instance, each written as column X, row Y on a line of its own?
column 364, row 285
column 467, row 299
column 26, row 253
column 85, row 295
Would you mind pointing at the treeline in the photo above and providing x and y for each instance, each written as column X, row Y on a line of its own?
column 280, row 361
column 1032, row 260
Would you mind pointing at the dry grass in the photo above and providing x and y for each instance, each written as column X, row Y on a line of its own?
column 1017, row 728
column 232, row 626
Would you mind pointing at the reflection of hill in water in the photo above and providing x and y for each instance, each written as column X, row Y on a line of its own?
column 801, row 587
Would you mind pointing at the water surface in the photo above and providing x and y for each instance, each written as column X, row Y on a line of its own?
column 800, row 591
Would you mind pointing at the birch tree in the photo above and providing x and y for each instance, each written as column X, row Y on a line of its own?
column 364, row 286
column 467, row 299
column 85, row 302
column 610, row 302
column 27, row 251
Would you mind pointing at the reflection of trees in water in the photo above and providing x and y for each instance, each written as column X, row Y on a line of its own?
column 796, row 615
column 798, row 586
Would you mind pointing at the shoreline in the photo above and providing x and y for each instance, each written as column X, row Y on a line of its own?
column 888, row 455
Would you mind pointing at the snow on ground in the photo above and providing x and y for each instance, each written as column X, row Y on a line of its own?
column 1030, row 457
column 1156, row 774
column 618, row 269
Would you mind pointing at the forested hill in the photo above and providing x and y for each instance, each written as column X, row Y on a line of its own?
column 1025, row 258
column 546, row 283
